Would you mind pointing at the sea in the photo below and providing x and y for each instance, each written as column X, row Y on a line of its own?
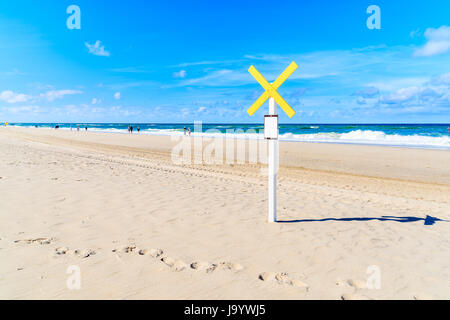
column 429, row 136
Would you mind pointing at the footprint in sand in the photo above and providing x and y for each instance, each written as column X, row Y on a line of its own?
column 210, row 267
column 340, row 283
column 143, row 252
column 267, row 276
column 283, row 278
column 61, row 250
column 127, row 249
column 229, row 266
column 179, row 265
column 357, row 284
column 176, row 265
column 155, row 253
column 36, row 240
column 203, row 266
column 84, row 253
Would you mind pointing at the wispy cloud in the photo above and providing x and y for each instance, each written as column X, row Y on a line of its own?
column 430, row 96
column 23, row 109
column 58, row 94
column 180, row 74
column 128, row 70
column 214, row 78
column 97, row 49
column 312, row 66
column 12, row 97
column 51, row 95
column 130, row 84
column 415, row 33
column 438, row 42
column 13, row 72
column 443, row 79
column 393, row 83
column 204, row 63
column 369, row 92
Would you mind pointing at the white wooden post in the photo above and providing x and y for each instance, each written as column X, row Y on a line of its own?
column 272, row 166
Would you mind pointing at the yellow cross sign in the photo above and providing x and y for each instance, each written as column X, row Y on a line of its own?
column 271, row 89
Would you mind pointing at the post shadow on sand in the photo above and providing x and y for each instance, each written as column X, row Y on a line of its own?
column 428, row 220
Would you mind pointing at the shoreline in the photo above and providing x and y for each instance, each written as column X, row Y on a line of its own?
column 410, row 164
column 260, row 137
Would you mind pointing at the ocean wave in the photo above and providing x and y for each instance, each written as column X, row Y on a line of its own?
column 372, row 137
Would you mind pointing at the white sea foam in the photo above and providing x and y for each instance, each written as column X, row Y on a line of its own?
column 372, row 137
column 353, row 137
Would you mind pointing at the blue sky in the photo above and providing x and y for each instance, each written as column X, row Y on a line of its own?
column 180, row 61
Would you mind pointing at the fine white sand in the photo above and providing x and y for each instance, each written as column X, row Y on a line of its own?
column 105, row 203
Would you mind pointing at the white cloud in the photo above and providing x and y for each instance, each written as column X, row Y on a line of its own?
column 97, row 49
column 185, row 111
column 431, row 96
column 201, row 109
column 213, row 78
column 58, row 94
column 202, row 63
column 443, row 79
column 117, row 95
column 25, row 109
column 388, row 84
column 180, row 74
column 134, row 84
column 401, row 95
column 129, row 70
column 313, row 66
column 369, row 92
column 426, row 94
column 12, row 97
column 438, row 42
column 14, row 72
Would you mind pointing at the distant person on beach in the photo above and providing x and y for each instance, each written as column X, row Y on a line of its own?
column 131, row 129
column 85, row 128
column 138, row 129
column 128, row 128
column 189, row 130
column 78, row 128
column 184, row 130
column 56, row 127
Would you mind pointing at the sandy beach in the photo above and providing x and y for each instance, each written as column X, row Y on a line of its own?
column 355, row 222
